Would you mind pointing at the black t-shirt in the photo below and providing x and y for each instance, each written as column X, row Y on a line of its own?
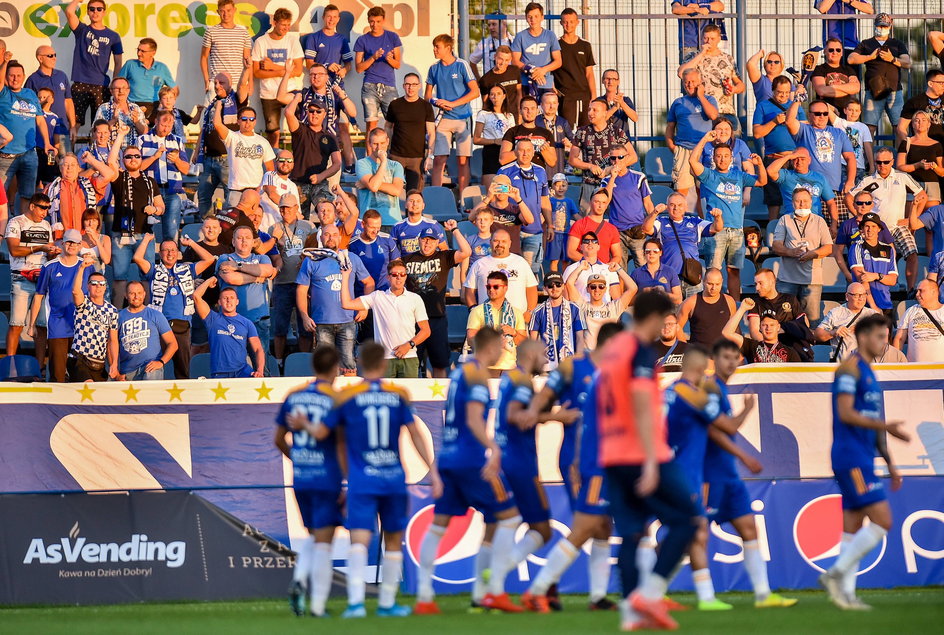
column 878, row 66
column 409, row 121
column 832, row 76
column 755, row 352
column 537, row 134
column 427, row 276
column 212, row 295
column 914, row 153
column 131, row 196
column 312, row 151
column 669, row 363
column 509, row 81
column 571, row 77
column 213, row 145
column 785, row 305
column 935, row 110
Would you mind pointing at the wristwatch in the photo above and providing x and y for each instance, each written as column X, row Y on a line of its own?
column 412, row 344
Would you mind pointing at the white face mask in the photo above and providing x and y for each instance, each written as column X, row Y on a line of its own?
column 801, row 212
column 882, row 31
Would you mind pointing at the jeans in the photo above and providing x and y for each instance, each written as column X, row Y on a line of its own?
column 632, row 247
column 24, row 167
column 729, row 247
column 283, row 306
column 169, row 227
column 121, row 253
column 342, row 337
column 533, row 244
column 215, row 174
column 809, row 296
column 264, row 330
column 873, row 108
column 139, row 374
column 376, row 98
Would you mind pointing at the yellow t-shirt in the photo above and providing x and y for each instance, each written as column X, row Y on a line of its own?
column 509, row 358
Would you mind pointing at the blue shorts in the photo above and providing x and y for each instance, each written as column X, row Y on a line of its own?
column 319, row 508
column 726, row 500
column 363, row 509
column 860, row 487
column 557, row 247
column 529, row 496
column 463, row 489
column 590, row 498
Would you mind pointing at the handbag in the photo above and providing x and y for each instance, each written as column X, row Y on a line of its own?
column 691, row 267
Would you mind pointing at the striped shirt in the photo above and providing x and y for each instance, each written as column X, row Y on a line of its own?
column 93, row 324
column 69, row 202
column 164, row 172
column 135, row 114
column 227, row 47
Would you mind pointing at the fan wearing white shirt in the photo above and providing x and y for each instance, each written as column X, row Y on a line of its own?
column 522, row 285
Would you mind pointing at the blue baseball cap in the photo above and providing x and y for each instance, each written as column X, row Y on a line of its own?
column 429, row 232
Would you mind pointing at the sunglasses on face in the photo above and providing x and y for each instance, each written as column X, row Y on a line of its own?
column 590, row 241
column 834, row 50
column 863, row 203
column 553, row 285
column 401, row 274
column 247, row 118
column 97, row 283
column 772, row 62
column 883, row 162
column 286, row 160
column 95, row 9
column 53, row 55
column 316, row 111
column 596, row 287
column 132, row 156
column 652, row 251
column 494, row 287
column 43, row 207
column 819, row 113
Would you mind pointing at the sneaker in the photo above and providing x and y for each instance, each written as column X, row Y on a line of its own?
column 535, row 603
column 855, row 604
column 654, row 610
column 296, row 598
column 775, row 600
column 348, row 169
column 501, row 602
column 426, row 608
column 714, row 605
column 603, row 604
column 832, row 582
column 672, row 605
column 354, row 610
column 476, row 608
column 553, row 599
column 397, row 610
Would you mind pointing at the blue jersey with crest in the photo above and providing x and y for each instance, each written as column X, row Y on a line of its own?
column 589, row 438
column 460, row 449
column 691, row 409
column 314, row 463
column 854, row 446
column 570, row 382
column 519, row 448
column 720, row 464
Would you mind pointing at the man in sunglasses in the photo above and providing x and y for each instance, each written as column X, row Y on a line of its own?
column 837, row 327
column 556, row 323
column 94, row 45
column 834, row 81
column 48, row 76
column 249, row 154
column 276, row 184
column 317, row 156
column 590, row 256
column 770, row 124
column 93, row 355
column 850, row 233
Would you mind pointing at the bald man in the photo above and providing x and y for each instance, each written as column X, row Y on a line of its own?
column 48, row 76
column 824, row 199
column 838, row 326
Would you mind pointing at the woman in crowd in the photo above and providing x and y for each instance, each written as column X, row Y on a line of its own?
column 490, row 126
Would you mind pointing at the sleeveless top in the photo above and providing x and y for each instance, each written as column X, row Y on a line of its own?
column 708, row 320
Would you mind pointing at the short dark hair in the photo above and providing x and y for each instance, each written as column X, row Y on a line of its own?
column 498, row 275
column 39, row 198
column 721, row 146
column 374, row 12
column 149, row 41
column 371, row 213
column 485, row 336
column 324, row 359
column 650, row 304
column 526, row 98
column 935, row 72
column 395, row 263
column 371, row 356
column 100, row 122
column 15, row 64
column 414, row 191
column 778, row 80
column 97, row 273
column 567, row 11
column 246, row 109
column 834, row 39
column 724, row 344
column 869, row 323
column 531, row 6
column 416, row 75
column 281, row 14
column 652, row 241
column 330, row 7
column 601, row 100
column 607, row 331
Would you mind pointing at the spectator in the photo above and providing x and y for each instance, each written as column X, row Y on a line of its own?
column 428, row 276
column 850, row 233
column 380, row 179
column 229, row 334
column 767, row 348
column 689, row 119
column 719, row 72
column 923, row 158
column 93, row 355
column 45, row 162
column 762, row 71
column 324, row 316
column 770, row 124
column 873, row 263
column 630, row 203
column 932, row 218
column 400, row 320
column 48, row 76
column 787, row 181
column 560, row 130
column 507, row 209
column 556, row 323
column 593, row 145
column 264, row 243
column 94, row 45
column 275, row 185
column 563, row 212
column 691, row 31
column 784, row 306
column 575, row 80
column 707, row 312
column 830, row 151
column 843, row 32
column 669, row 348
column 316, row 159
column 723, row 188
column 411, row 128
column 377, row 54
column 884, row 58
column 839, row 324
column 608, row 236
column 161, row 159
column 596, row 312
column 930, row 102
column 249, row 155
column 834, row 81
column 621, row 109
column 407, row 232
column 654, row 275
column 499, row 313
column 119, row 110
column 801, row 239
column 146, row 342
column 234, row 217
column 936, row 272
column 890, row 355
column 98, row 148
column 210, row 150
column 71, row 193
column 248, row 272
column 859, row 136
column 504, row 74
column 170, row 287
column 290, row 234
column 22, row 115
column 491, row 124
column 94, row 242
column 522, row 286
column 30, row 244
column 147, row 77
column 536, row 52
column 275, row 55
column 541, row 138
column 741, row 154
column 455, row 87
column 54, row 289
column 376, row 249
column 480, row 242
column 590, row 265
column 922, row 326
column 890, row 189
column 167, row 100
column 342, row 213
column 487, row 50
column 210, row 241
column 226, row 47
column 530, row 179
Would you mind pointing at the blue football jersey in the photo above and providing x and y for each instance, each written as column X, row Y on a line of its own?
column 570, row 382
column 691, row 409
column 720, row 464
column 589, row 439
column 460, row 449
column 854, row 446
column 314, row 463
column 519, row 449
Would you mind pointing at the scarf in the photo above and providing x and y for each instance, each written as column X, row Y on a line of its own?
column 161, row 283
column 507, row 317
column 554, row 356
column 320, row 253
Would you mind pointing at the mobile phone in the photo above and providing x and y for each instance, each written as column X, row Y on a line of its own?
column 502, row 188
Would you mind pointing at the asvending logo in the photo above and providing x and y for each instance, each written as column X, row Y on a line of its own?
column 73, row 549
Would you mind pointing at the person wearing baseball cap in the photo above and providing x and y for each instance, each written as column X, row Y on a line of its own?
column 884, row 58
column 557, row 324
column 768, row 349
column 598, row 310
column 874, row 263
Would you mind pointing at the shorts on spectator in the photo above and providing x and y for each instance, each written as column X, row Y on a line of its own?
column 450, row 130
column 376, row 98
column 271, row 114
column 682, row 177
column 729, row 248
column 21, row 297
column 904, row 241
column 557, row 247
column 873, row 108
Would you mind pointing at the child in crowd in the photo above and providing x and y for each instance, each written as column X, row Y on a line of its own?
column 167, row 100
column 48, row 164
column 859, row 136
column 481, row 243
column 563, row 211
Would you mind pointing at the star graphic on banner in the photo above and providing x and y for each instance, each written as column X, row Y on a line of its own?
column 263, row 391
column 86, row 391
column 219, row 392
column 438, row 389
column 131, row 393
column 174, row 393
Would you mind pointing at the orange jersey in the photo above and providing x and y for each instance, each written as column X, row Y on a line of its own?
column 627, row 366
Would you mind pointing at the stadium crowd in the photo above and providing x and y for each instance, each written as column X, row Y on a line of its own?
column 107, row 285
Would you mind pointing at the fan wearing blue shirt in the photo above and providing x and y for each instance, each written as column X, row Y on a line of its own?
column 328, row 47
column 829, row 148
column 407, row 232
column 377, row 54
column 689, row 118
column 655, row 275
column 22, row 114
column 802, row 176
column 375, row 249
column 242, row 270
column 147, row 76
column 229, row 335
column 94, row 45
column 536, row 51
column 145, row 341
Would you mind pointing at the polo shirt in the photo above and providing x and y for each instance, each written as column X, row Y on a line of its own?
column 395, row 318
column 146, row 83
column 663, row 277
column 879, row 258
column 890, row 194
column 690, row 119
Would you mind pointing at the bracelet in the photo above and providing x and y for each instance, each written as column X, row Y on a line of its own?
column 163, row 363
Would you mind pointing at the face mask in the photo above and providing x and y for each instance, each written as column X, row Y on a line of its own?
column 882, row 31
column 802, row 213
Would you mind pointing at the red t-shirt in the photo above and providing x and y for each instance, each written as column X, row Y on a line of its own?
column 607, row 233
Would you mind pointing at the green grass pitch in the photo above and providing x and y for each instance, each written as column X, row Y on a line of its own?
column 898, row 611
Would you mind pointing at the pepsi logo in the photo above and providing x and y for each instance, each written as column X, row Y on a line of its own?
column 457, row 549
column 817, row 534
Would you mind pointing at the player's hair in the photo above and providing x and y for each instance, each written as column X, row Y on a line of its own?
column 324, row 359
column 330, row 7
column 375, row 12
column 395, row 264
column 712, row 28
column 101, row 2
column 370, row 214
column 416, row 75
column 818, row 101
column 652, row 304
column 484, row 337
column 693, row 350
column 371, row 356
column 39, row 199
column 98, row 274
column 610, row 70
column 567, row 11
column 863, row 193
column 504, row 48
column 855, row 100
column 149, row 41
column 778, row 80
column 531, row 6
column 722, row 345
column 869, row 323
column 281, row 14
column 444, row 39
column 498, row 275
column 607, row 331
column 246, row 109
column 652, row 241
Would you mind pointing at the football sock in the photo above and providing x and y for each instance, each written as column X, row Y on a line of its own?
column 483, row 561
column 599, row 568
column 756, row 569
column 322, row 571
column 558, row 560
column 356, row 568
column 390, row 582
column 503, row 547
column 848, row 578
column 531, row 542
column 703, row 585
column 863, row 542
column 303, row 561
column 428, row 550
column 655, row 587
column 645, row 558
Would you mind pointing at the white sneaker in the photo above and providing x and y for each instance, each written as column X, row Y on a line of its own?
column 855, row 604
column 832, row 582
